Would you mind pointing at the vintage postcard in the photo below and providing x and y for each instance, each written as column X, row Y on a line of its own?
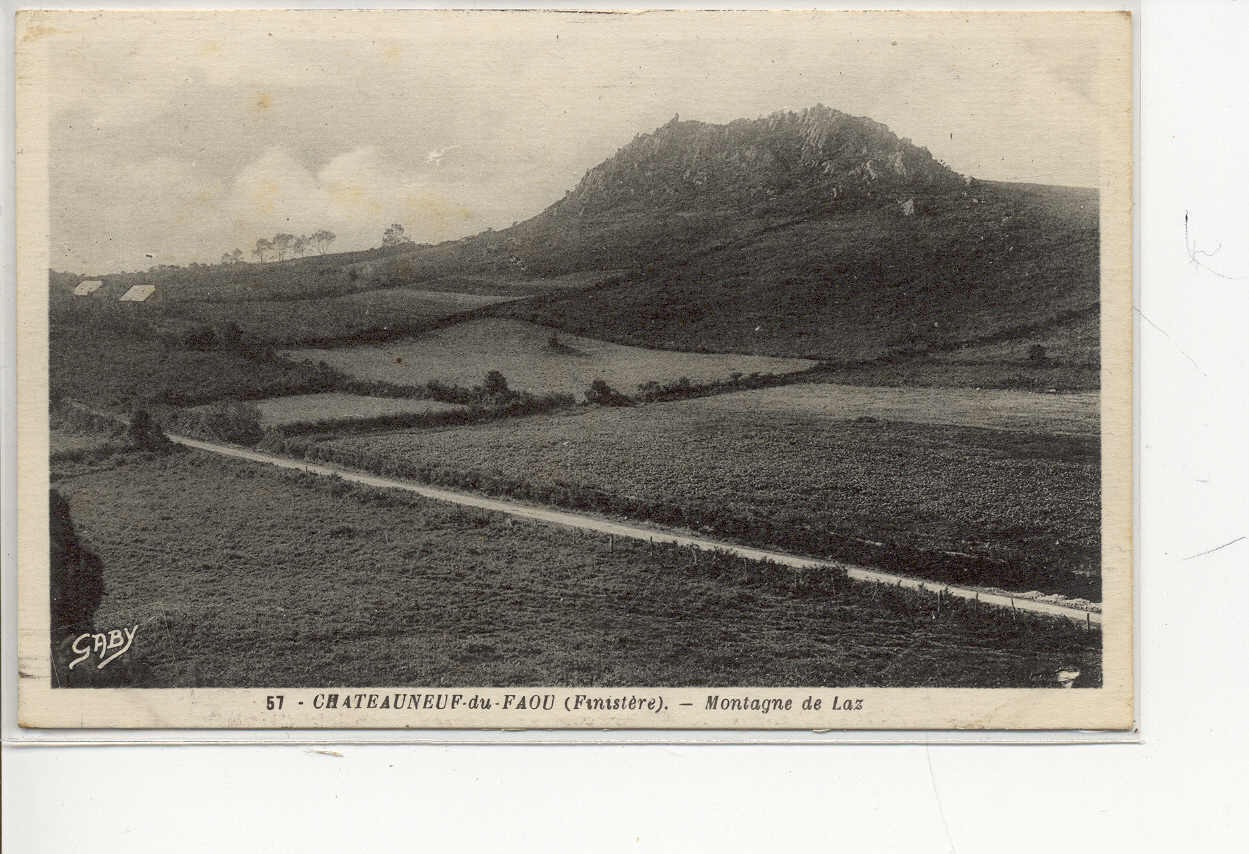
column 671, row 370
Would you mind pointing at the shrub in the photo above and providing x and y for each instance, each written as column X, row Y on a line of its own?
column 602, row 394
column 495, row 384
column 1037, row 354
column 199, row 337
column 146, row 433
column 77, row 575
column 227, row 421
column 229, row 335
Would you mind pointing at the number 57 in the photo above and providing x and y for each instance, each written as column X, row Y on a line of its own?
column 273, row 702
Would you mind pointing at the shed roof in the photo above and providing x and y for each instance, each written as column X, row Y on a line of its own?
column 85, row 288
column 138, row 293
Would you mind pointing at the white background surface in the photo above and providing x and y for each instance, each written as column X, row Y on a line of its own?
column 1182, row 788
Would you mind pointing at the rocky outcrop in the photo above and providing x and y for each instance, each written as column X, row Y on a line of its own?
column 818, row 153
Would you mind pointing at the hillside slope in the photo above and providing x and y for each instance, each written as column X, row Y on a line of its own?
column 809, row 234
column 860, row 283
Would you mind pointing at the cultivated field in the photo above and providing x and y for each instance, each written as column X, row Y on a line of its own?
column 332, row 406
column 376, row 311
column 791, row 478
column 993, row 409
column 338, row 585
column 531, row 361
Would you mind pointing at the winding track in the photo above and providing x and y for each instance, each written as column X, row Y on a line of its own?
column 638, row 532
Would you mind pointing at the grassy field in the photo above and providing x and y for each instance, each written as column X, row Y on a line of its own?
column 992, row 409
column 434, row 268
column 65, row 441
column 515, row 284
column 114, row 369
column 525, row 354
column 239, row 575
column 331, row 406
column 789, row 478
column 385, row 310
column 1073, row 342
column 950, row 373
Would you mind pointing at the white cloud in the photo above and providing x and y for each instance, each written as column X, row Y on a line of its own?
column 356, row 194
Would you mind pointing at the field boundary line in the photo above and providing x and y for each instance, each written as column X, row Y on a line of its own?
column 569, row 519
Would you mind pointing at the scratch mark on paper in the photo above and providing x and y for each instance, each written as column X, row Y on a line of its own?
column 1215, row 549
column 932, row 778
column 325, row 751
column 1167, row 335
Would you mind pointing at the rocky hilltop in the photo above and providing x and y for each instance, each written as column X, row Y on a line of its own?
column 818, row 155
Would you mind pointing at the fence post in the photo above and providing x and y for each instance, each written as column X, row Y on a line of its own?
column 611, row 542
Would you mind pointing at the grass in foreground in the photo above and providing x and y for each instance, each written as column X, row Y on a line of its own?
column 792, row 480
column 238, row 575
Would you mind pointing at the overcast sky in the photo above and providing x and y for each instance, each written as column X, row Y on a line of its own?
column 185, row 137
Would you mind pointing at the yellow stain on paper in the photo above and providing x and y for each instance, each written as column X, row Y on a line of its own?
column 39, row 31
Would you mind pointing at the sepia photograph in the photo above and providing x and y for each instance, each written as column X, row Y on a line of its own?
column 518, row 369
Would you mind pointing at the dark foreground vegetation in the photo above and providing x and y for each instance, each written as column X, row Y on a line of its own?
column 960, row 505
column 238, row 575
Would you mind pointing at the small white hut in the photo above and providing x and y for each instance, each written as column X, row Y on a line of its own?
column 139, row 293
column 87, row 287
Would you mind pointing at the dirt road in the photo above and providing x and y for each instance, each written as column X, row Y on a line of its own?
column 639, row 532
